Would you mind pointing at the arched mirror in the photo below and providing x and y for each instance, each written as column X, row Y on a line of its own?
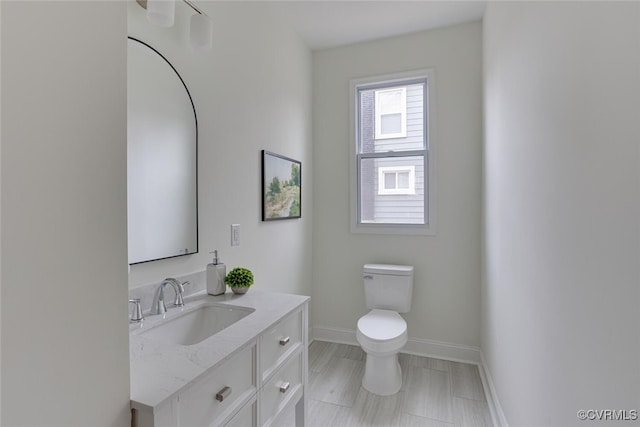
column 162, row 141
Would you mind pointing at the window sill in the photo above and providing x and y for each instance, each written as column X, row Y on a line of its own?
column 397, row 229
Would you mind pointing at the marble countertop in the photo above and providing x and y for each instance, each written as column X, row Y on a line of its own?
column 160, row 370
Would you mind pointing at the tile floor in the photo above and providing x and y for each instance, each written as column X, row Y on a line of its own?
column 434, row 393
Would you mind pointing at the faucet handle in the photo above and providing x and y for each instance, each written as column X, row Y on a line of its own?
column 136, row 316
column 182, row 285
column 178, row 301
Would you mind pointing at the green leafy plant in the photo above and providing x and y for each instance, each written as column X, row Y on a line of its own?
column 239, row 277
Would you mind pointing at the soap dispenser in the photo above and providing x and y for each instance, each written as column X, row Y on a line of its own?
column 216, row 272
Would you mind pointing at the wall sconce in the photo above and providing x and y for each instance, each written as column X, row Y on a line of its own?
column 162, row 13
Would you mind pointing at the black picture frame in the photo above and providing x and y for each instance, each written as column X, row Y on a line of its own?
column 281, row 187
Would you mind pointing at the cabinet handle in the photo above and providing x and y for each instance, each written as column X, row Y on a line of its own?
column 223, row 394
column 284, row 387
column 284, row 341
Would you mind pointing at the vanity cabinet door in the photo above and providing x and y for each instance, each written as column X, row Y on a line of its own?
column 246, row 417
column 214, row 398
column 284, row 388
column 279, row 342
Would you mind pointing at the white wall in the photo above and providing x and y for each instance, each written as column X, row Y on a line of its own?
column 252, row 91
column 561, row 324
column 446, row 298
column 65, row 359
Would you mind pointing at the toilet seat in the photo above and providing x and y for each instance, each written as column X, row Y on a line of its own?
column 382, row 331
column 382, row 325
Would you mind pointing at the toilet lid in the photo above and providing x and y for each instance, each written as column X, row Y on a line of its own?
column 382, row 325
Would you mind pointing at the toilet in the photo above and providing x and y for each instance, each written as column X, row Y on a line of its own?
column 382, row 332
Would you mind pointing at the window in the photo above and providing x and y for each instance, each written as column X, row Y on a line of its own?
column 397, row 180
column 391, row 179
column 391, row 113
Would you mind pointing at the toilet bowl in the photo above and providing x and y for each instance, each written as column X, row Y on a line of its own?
column 382, row 332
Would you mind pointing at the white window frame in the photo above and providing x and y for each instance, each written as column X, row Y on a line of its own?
column 383, row 190
column 402, row 110
column 429, row 227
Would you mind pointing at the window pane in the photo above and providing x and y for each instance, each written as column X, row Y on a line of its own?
column 403, row 179
column 389, row 101
column 390, row 180
column 392, row 121
column 398, row 208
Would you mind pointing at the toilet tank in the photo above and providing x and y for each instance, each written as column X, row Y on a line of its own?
column 388, row 287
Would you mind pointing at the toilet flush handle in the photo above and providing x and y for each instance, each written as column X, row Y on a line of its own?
column 367, row 277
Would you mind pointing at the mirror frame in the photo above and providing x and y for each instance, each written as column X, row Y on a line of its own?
column 195, row 116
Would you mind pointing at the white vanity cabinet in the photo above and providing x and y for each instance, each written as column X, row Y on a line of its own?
column 284, row 387
column 279, row 342
column 283, row 367
column 254, row 385
column 216, row 397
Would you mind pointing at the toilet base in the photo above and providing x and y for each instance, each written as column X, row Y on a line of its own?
column 382, row 374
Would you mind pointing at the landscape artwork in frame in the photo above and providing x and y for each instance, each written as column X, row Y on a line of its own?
column 281, row 187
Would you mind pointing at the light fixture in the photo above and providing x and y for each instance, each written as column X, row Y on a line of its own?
column 201, row 32
column 162, row 13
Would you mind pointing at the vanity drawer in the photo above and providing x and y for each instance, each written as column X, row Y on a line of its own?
column 283, row 388
column 220, row 392
column 279, row 342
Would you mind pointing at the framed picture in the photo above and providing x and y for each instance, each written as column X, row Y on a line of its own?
column 281, row 187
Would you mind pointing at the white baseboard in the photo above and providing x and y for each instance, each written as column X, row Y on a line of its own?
column 419, row 347
column 443, row 350
column 499, row 420
column 341, row 336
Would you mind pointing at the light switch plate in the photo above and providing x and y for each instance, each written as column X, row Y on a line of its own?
column 235, row 234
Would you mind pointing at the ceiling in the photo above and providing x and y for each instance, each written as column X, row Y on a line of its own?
column 329, row 23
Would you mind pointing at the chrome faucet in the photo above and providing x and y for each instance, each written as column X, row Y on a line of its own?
column 159, row 304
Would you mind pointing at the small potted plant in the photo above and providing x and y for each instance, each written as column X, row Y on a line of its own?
column 239, row 279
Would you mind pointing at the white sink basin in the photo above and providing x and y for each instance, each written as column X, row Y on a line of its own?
column 195, row 326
